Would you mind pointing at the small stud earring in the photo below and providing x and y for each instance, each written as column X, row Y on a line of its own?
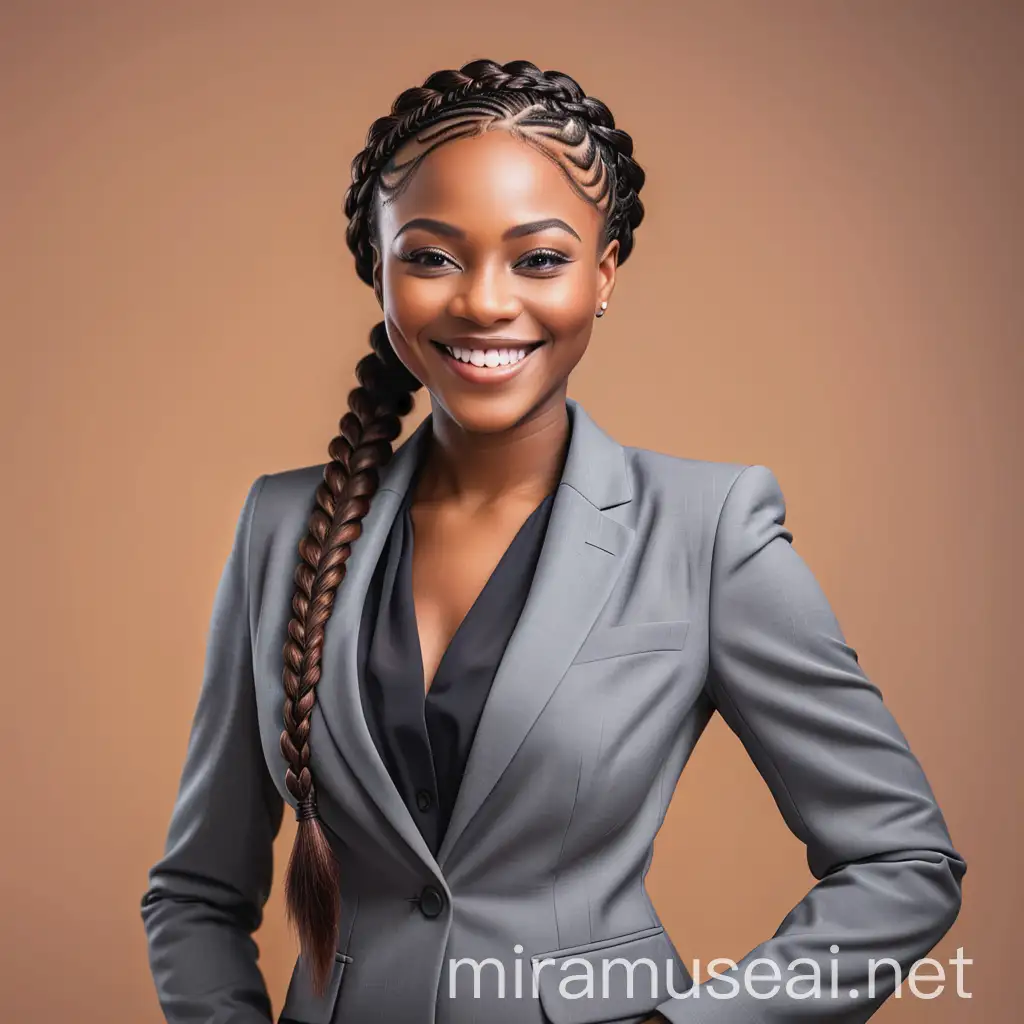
column 600, row 312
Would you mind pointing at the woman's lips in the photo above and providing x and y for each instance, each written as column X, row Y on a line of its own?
column 514, row 361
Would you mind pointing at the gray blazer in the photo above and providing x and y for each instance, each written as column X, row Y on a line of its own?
column 667, row 589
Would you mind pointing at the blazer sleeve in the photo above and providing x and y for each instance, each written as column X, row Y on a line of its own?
column 207, row 893
column 842, row 774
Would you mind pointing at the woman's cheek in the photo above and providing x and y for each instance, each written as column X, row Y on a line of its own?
column 566, row 305
column 415, row 302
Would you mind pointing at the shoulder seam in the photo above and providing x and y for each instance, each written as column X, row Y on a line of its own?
column 254, row 491
column 711, row 564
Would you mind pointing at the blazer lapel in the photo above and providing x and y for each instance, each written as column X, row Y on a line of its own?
column 582, row 555
column 338, row 694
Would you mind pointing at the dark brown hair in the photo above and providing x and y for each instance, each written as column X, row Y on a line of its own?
column 548, row 110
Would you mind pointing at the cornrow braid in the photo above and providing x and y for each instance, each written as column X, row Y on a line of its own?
column 547, row 110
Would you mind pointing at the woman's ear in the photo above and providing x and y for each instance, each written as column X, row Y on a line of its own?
column 606, row 268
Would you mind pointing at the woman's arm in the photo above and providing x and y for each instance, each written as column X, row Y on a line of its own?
column 783, row 677
column 206, row 895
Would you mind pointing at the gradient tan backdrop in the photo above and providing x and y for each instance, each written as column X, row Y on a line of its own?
column 828, row 282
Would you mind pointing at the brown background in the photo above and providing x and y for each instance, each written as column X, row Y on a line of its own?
column 828, row 282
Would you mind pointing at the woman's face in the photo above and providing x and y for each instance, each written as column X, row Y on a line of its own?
column 488, row 271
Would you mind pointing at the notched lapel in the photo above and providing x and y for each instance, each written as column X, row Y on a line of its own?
column 338, row 719
column 583, row 553
column 608, row 535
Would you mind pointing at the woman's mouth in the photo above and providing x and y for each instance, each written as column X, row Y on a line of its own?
column 483, row 365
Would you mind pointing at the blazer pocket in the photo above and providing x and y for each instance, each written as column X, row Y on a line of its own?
column 302, row 1005
column 632, row 638
column 621, row 979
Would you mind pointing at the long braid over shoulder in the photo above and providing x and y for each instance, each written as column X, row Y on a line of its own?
column 545, row 109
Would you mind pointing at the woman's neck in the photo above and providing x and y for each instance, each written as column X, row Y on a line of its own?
column 478, row 470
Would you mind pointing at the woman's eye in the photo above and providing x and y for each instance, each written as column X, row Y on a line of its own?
column 543, row 259
column 431, row 258
column 435, row 259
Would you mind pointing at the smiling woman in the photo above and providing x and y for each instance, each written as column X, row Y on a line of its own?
column 478, row 688
column 490, row 270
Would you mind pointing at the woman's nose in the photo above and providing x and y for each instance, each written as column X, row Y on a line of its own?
column 485, row 296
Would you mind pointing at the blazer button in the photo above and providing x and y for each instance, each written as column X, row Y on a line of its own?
column 424, row 800
column 431, row 901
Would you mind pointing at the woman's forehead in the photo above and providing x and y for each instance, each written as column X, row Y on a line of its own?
column 500, row 160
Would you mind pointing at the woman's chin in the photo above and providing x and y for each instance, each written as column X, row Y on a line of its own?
column 487, row 413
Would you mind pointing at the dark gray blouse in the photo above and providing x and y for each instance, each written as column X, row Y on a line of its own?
column 424, row 738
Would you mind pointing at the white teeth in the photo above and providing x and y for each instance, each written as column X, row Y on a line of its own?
column 487, row 357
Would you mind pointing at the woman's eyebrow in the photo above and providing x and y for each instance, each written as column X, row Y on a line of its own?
column 539, row 225
column 441, row 227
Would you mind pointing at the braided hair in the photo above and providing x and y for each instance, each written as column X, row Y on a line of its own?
column 547, row 110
